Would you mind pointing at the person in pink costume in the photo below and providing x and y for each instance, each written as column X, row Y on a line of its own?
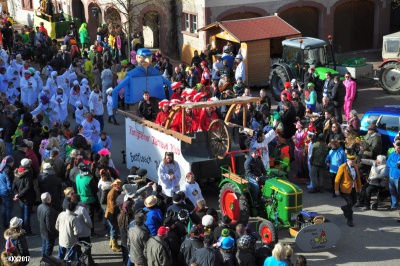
column 351, row 89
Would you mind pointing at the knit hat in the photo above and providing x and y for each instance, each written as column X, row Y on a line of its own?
column 25, row 162
column 163, row 230
column 207, row 220
column 47, row 166
column 226, row 220
column 225, row 232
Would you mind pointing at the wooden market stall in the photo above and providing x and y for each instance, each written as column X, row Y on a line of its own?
column 257, row 39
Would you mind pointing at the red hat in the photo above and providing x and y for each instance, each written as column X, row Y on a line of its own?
column 174, row 102
column 203, row 63
column 188, row 92
column 176, row 85
column 287, row 84
column 163, row 103
column 162, row 230
column 197, row 97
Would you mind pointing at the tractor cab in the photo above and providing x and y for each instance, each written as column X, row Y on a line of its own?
column 304, row 51
column 298, row 54
column 391, row 46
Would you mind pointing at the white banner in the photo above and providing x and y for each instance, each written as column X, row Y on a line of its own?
column 146, row 147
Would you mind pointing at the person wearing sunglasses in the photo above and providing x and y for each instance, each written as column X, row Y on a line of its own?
column 351, row 90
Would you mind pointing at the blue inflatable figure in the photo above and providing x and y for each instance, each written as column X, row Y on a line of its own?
column 143, row 77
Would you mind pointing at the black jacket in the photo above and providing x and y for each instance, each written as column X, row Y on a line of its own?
column 19, row 242
column 188, row 247
column 146, row 110
column 18, row 156
column 23, row 186
column 9, row 127
column 47, row 217
column 254, row 167
column 207, row 256
column 337, row 94
column 226, row 70
column 288, row 120
column 218, row 232
column 48, row 182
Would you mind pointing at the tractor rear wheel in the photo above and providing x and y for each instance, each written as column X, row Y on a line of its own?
column 277, row 79
column 389, row 77
column 234, row 204
column 267, row 232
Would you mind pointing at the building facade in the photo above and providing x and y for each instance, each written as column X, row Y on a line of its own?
column 354, row 25
column 172, row 25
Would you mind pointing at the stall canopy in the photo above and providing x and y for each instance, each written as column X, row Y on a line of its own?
column 257, row 39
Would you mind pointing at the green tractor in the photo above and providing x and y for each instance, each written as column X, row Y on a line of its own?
column 281, row 202
column 298, row 55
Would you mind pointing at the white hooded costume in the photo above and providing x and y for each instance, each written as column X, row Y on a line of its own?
column 45, row 91
column 74, row 96
column 92, row 130
column 85, row 92
column 52, row 83
column 28, row 89
column 12, row 94
column 109, row 101
column 50, row 110
column 80, row 113
column 13, row 73
column 62, row 102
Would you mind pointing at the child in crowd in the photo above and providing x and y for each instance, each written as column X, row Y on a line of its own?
column 191, row 188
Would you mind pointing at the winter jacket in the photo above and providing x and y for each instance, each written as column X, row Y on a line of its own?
column 206, row 256
column 85, row 221
column 392, row 161
column 375, row 143
column 112, row 209
column 227, row 258
column 6, row 181
column 23, row 185
column 69, row 227
column 187, row 249
column 157, row 252
column 137, row 242
column 154, row 220
column 47, row 217
column 378, row 173
column 335, row 158
column 319, row 152
column 48, row 182
column 344, row 182
column 19, row 241
column 288, row 120
column 245, row 258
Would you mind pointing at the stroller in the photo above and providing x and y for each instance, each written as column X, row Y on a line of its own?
column 85, row 258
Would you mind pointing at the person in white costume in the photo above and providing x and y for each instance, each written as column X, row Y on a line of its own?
column 261, row 143
column 12, row 93
column 62, row 101
column 50, row 110
column 52, row 83
column 191, row 188
column 85, row 92
column 28, row 88
column 91, row 127
column 74, row 94
column 80, row 112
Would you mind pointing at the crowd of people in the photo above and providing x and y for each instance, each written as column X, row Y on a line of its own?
column 42, row 154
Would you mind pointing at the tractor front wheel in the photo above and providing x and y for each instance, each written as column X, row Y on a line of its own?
column 234, row 204
column 389, row 77
column 277, row 79
column 267, row 232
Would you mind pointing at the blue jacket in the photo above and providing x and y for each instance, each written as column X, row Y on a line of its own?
column 138, row 80
column 336, row 158
column 394, row 159
column 154, row 220
column 5, row 184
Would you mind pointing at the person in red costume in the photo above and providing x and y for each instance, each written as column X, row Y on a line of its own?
column 199, row 97
column 188, row 94
column 174, row 124
column 191, row 121
column 206, row 117
column 163, row 114
column 177, row 90
column 205, row 77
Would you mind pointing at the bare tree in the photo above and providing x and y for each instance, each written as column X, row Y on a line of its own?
column 130, row 11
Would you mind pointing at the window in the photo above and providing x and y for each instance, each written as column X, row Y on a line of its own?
column 190, row 24
column 390, row 123
column 27, row 4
